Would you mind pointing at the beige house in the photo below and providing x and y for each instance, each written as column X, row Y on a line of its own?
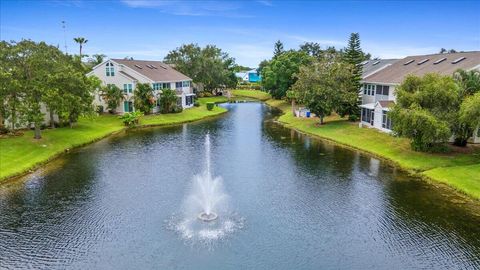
column 126, row 74
column 378, row 88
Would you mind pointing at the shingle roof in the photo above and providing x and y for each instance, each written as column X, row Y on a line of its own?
column 154, row 70
column 372, row 66
column 386, row 103
column 436, row 63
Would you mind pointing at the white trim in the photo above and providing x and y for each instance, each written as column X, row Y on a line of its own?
column 475, row 67
column 382, row 83
column 95, row 67
column 370, row 106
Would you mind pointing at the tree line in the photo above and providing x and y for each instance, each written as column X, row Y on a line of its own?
column 324, row 80
column 34, row 75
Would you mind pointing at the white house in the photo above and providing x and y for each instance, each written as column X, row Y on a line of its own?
column 378, row 88
column 126, row 74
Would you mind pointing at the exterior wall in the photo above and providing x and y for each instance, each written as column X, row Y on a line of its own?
column 366, row 99
column 119, row 80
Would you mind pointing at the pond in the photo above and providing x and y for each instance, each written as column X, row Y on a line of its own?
column 294, row 203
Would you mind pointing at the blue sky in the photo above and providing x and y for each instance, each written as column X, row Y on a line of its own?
column 247, row 30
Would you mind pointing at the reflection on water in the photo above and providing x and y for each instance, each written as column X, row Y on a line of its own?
column 306, row 204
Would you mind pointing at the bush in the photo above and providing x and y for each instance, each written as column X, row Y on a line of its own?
column 177, row 109
column 353, row 118
column 100, row 109
column 196, row 104
column 131, row 119
column 4, row 130
column 210, row 106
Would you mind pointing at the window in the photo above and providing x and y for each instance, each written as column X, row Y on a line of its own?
column 189, row 100
column 383, row 90
column 127, row 88
column 127, row 106
column 186, row 83
column 178, row 84
column 369, row 89
column 386, row 121
column 156, row 86
column 166, row 85
column 367, row 115
column 109, row 70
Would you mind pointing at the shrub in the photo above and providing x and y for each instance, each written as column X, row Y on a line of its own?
column 210, row 106
column 196, row 104
column 4, row 130
column 177, row 109
column 100, row 109
column 168, row 101
column 131, row 119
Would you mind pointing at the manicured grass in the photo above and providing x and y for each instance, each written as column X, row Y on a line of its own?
column 188, row 115
column 23, row 153
column 256, row 94
column 465, row 178
column 19, row 154
column 459, row 170
column 216, row 99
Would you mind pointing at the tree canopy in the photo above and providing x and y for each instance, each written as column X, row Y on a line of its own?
column 36, row 75
column 323, row 86
column 278, row 74
column 208, row 66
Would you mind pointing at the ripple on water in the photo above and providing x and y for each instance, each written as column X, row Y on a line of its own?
column 194, row 231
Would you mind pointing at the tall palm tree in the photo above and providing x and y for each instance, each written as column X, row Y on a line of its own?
column 81, row 41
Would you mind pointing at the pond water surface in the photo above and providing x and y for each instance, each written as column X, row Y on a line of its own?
column 304, row 204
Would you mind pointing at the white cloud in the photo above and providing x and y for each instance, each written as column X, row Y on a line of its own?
column 266, row 3
column 191, row 8
column 386, row 51
column 322, row 42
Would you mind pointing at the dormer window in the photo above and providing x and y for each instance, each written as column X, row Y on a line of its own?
column 109, row 69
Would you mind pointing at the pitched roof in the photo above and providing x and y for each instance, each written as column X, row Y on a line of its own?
column 154, row 70
column 444, row 64
column 386, row 103
column 372, row 66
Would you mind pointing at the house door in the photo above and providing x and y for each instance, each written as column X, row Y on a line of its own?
column 372, row 115
column 127, row 106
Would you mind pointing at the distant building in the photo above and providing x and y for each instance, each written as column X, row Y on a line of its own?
column 378, row 87
column 126, row 74
column 249, row 76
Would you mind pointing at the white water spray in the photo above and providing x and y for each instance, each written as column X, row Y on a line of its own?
column 206, row 215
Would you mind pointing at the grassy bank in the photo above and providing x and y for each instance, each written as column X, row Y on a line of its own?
column 458, row 170
column 256, row 94
column 20, row 154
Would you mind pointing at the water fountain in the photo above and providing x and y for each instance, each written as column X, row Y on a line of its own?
column 206, row 215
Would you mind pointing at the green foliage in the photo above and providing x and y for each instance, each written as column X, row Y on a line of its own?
column 323, row 86
column 354, row 56
column 427, row 133
column 144, row 100
column 168, row 101
column 196, row 104
column 209, row 66
column 469, row 83
column 426, row 110
column 131, row 119
column 278, row 74
column 210, row 105
column 112, row 96
column 278, row 49
column 81, row 41
column 470, row 111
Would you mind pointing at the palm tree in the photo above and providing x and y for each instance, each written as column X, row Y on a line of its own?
column 80, row 41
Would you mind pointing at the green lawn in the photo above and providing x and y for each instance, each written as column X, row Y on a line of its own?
column 20, row 154
column 465, row 178
column 459, row 170
column 256, row 94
